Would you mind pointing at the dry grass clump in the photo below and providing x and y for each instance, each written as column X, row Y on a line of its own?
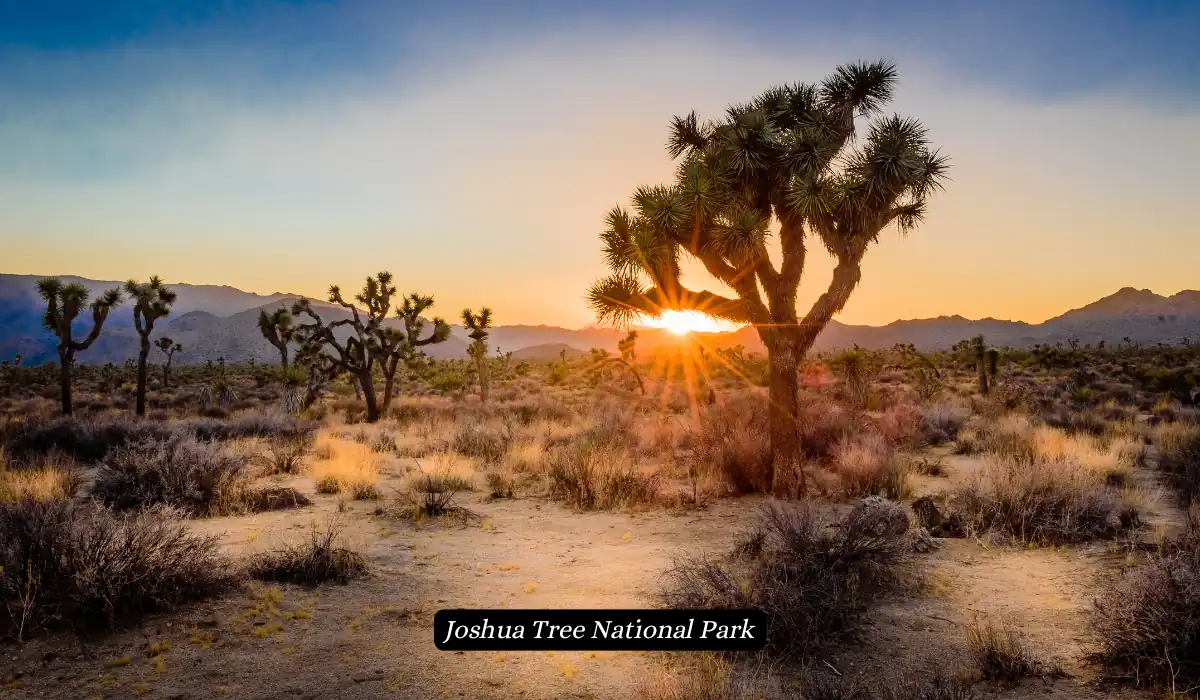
column 733, row 440
column 486, row 443
column 353, row 469
column 87, row 567
column 709, row 678
column 199, row 478
column 823, row 424
column 1044, row 500
column 248, row 424
column 900, row 423
column 940, row 423
column 814, row 579
column 285, row 454
column 867, row 465
column 1147, row 621
column 1179, row 458
column 48, row 482
column 1001, row 653
column 317, row 560
column 596, row 476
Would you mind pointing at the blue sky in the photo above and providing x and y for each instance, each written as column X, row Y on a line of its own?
column 272, row 145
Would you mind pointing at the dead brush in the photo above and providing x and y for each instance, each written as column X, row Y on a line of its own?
column 814, row 579
column 1002, row 654
column 285, row 454
column 596, row 477
column 317, row 560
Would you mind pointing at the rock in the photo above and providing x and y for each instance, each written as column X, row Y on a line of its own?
column 927, row 513
column 881, row 516
column 923, row 542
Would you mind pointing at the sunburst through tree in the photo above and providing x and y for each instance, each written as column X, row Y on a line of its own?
column 788, row 159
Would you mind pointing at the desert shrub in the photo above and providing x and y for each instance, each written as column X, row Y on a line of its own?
column 263, row 424
column 527, row 412
column 383, row 443
column 867, row 465
column 499, row 485
column 317, row 560
column 900, row 423
column 200, row 478
column 88, row 442
column 49, row 482
column 1179, row 459
column 432, row 495
column 941, row 422
column 87, row 567
column 1000, row 652
column 591, row 476
column 489, row 445
column 284, row 454
column 1042, row 500
column 353, row 469
column 823, row 424
column 813, row 579
column 1147, row 621
column 733, row 440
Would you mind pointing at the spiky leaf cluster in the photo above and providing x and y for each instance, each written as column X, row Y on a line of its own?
column 151, row 301
column 64, row 303
column 788, row 160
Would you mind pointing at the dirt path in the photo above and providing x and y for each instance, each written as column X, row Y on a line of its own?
column 373, row 638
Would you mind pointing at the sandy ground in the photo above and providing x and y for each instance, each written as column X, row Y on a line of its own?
column 373, row 637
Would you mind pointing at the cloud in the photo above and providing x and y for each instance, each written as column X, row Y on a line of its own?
column 482, row 176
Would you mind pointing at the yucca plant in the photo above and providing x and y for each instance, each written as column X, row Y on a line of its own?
column 168, row 347
column 279, row 329
column 789, row 157
column 151, row 301
column 395, row 346
column 64, row 303
column 478, row 325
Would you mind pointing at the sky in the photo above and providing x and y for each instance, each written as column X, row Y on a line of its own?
column 472, row 148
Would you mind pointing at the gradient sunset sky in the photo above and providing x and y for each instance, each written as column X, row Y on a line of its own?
column 472, row 148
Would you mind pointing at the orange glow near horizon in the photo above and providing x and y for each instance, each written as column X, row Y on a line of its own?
column 684, row 322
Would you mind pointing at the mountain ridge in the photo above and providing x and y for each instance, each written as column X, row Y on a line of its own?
column 213, row 321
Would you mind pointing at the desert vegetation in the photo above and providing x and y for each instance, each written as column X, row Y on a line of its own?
column 330, row 503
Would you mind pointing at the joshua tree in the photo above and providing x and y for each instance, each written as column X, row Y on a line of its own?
column 394, row 346
column 8, row 373
column 479, row 324
column 278, row 329
column 64, row 302
column 627, row 346
column 151, row 301
column 789, row 157
column 986, row 360
column 169, row 348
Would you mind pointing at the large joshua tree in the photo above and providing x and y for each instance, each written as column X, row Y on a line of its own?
column 279, row 330
column 790, row 165
column 368, row 343
column 64, row 302
column 151, row 301
column 478, row 325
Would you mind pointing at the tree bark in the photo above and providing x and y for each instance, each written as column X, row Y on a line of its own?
column 64, row 378
column 368, row 393
column 143, row 354
column 283, row 355
column 786, row 477
column 167, row 373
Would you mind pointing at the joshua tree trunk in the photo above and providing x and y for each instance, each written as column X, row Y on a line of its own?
column 983, row 380
column 143, row 355
column 787, row 476
column 64, row 378
column 167, row 373
column 368, row 395
column 481, row 363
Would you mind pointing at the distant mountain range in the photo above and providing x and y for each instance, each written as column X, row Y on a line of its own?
column 217, row 321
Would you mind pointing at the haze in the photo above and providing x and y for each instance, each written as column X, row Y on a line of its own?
column 473, row 152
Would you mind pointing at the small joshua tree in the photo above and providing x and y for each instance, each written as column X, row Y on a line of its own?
column 478, row 325
column 279, row 330
column 8, row 373
column 169, row 348
column 627, row 346
column 151, row 301
column 395, row 346
column 64, row 302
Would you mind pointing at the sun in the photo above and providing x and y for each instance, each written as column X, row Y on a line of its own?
column 684, row 322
